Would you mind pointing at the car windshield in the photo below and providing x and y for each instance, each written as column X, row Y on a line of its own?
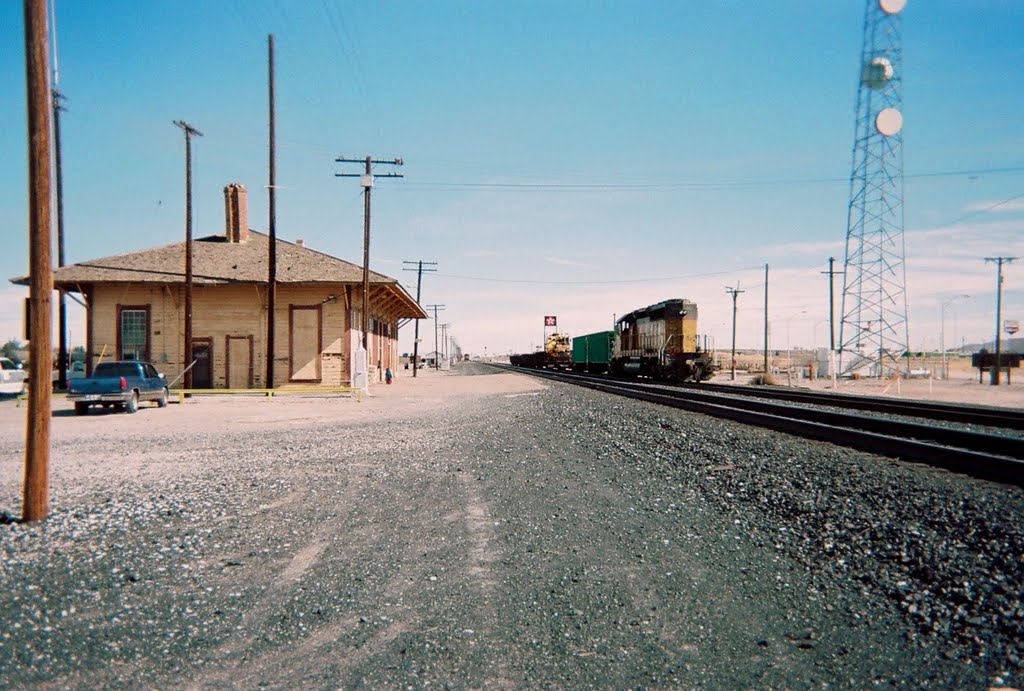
column 7, row 364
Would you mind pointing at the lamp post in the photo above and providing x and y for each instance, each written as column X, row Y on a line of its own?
column 789, row 351
column 942, row 332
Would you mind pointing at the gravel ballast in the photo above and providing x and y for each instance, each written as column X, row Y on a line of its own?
column 495, row 531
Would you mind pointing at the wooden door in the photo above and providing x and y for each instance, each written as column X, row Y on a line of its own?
column 305, row 343
column 238, row 354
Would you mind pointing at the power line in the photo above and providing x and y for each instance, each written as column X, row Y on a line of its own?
column 597, row 282
column 694, row 185
column 996, row 205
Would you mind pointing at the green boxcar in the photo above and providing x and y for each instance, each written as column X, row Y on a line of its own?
column 593, row 352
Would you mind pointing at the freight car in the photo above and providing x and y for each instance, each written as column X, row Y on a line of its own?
column 593, row 352
column 557, row 354
column 658, row 341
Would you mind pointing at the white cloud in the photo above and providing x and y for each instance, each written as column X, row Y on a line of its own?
column 567, row 262
column 996, row 206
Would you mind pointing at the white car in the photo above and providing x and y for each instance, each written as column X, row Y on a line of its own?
column 12, row 378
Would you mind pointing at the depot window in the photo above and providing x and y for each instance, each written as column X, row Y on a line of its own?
column 133, row 332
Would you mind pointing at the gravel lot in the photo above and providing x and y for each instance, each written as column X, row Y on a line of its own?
column 494, row 531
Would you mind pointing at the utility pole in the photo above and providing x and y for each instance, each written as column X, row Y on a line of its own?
column 37, row 86
column 444, row 341
column 189, row 131
column 735, row 293
column 62, row 310
column 436, row 353
column 766, row 323
column 419, row 282
column 831, row 305
column 998, row 261
column 272, row 220
column 366, row 180
column 942, row 331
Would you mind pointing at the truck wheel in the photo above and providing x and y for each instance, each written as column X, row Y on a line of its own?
column 162, row 401
column 132, row 403
column 81, row 408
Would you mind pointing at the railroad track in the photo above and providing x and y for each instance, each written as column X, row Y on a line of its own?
column 932, row 410
column 981, row 454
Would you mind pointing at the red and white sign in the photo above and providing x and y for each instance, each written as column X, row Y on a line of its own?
column 550, row 321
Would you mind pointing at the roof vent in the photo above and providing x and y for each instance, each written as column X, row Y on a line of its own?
column 300, row 242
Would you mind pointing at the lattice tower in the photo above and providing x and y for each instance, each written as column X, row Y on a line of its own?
column 873, row 333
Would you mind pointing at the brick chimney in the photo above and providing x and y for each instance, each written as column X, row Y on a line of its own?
column 236, row 213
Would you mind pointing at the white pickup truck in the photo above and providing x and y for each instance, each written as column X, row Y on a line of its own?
column 12, row 378
column 76, row 371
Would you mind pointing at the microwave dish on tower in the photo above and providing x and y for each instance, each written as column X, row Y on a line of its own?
column 873, row 333
column 877, row 73
column 892, row 6
column 889, row 122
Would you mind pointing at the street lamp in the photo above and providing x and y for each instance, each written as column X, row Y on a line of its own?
column 942, row 332
column 789, row 351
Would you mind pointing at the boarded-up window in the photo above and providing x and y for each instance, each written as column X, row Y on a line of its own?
column 305, row 342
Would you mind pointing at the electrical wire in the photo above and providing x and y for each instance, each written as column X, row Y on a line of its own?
column 597, row 282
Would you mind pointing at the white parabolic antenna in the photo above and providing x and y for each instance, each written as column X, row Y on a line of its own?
column 888, row 122
column 878, row 72
column 892, row 6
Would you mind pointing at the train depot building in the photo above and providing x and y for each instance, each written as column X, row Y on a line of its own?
column 135, row 309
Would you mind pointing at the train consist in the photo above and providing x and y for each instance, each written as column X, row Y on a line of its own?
column 557, row 354
column 659, row 341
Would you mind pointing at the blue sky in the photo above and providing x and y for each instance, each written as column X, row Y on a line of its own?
column 580, row 159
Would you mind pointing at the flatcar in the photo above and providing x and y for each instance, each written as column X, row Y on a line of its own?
column 557, row 354
column 659, row 341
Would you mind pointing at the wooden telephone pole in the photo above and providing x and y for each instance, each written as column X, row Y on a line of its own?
column 37, row 439
column 272, row 228
column 735, row 292
column 419, row 283
column 366, row 180
column 62, row 309
column 189, row 131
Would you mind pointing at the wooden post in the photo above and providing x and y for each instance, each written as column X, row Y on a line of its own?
column 37, row 440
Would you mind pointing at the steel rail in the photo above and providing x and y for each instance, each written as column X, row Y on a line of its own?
column 982, row 455
column 933, row 410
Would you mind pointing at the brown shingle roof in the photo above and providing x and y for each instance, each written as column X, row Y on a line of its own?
column 215, row 261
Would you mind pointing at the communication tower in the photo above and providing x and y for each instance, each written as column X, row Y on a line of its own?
column 873, row 333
